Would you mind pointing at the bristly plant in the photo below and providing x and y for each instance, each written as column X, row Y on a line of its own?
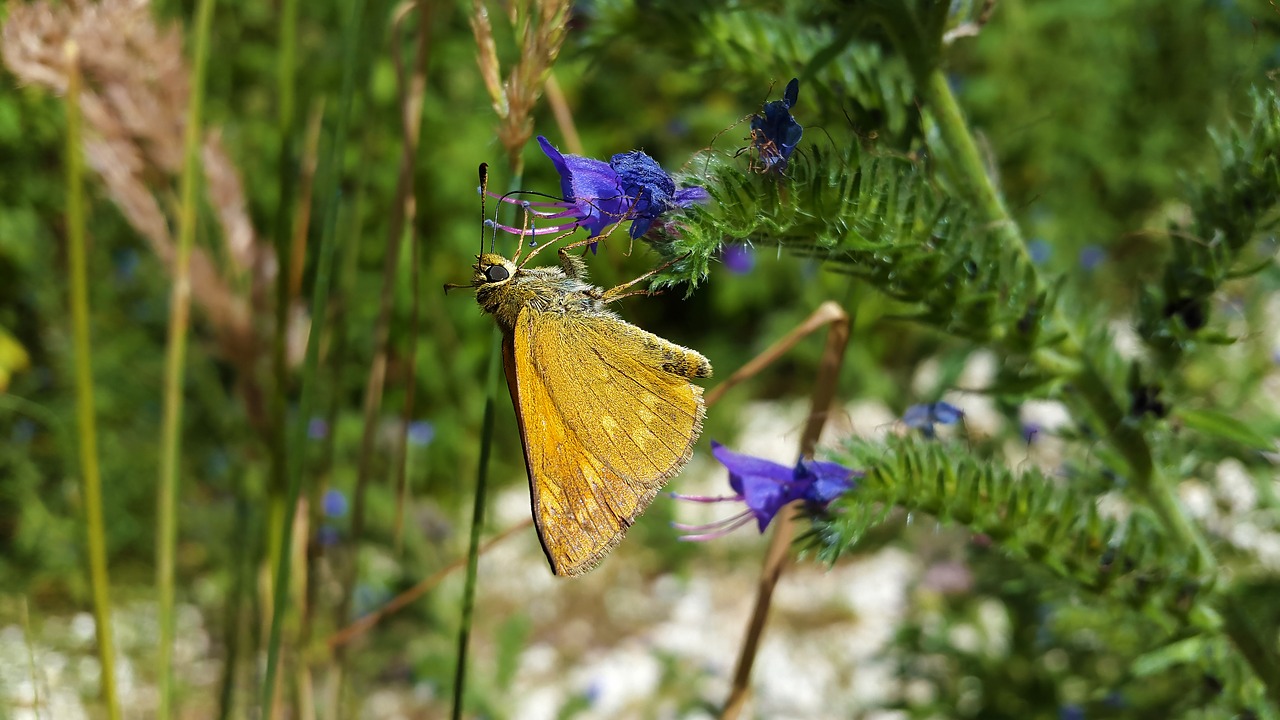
column 1155, row 605
column 937, row 237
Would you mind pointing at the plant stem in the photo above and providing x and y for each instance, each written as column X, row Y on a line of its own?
column 175, row 358
column 964, row 151
column 482, row 479
column 283, row 235
column 1145, row 476
column 85, row 424
column 477, row 521
column 319, row 304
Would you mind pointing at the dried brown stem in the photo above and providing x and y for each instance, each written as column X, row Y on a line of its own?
column 361, row 626
column 837, row 321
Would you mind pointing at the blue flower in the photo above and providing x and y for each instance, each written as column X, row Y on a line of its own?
column 765, row 487
column 1031, row 431
column 328, row 536
column 775, row 134
column 317, row 428
column 1091, row 256
column 421, row 433
column 597, row 195
column 738, row 258
column 924, row 416
column 1039, row 251
column 334, row 503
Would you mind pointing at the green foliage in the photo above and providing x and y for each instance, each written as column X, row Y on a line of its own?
column 1229, row 209
column 882, row 220
column 1088, row 117
column 1050, row 524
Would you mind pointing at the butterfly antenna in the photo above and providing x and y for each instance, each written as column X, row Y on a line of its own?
column 484, row 190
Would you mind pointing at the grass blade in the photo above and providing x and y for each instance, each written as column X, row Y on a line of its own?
column 86, row 427
column 477, row 521
column 175, row 358
column 319, row 305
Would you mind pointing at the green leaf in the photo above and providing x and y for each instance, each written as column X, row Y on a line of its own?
column 1225, row 427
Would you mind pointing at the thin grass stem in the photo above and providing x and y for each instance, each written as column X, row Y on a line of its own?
column 86, row 426
column 492, row 382
column 319, row 306
column 477, row 522
column 175, row 364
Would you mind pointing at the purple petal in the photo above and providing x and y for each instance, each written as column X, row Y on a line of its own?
column 917, row 416
column 945, row 413
column 649, row 187
column 591, row 187
column 765, row 496
column 690, row 195
column 746, row 465
column 738, row 258
column 826, row 480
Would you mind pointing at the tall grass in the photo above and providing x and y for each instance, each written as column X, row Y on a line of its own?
column 86, row 426
column 328, row 186
column 175, row 362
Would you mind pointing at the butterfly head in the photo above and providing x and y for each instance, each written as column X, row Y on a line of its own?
column 492, row 271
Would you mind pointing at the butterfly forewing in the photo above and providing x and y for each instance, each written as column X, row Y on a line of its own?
column 607, row 416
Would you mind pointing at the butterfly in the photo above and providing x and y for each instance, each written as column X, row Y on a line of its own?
column 607, row 412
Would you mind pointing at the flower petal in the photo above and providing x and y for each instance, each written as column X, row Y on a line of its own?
column 644, row 181
column 747, row 465
column 690, row 195
column 592, row 188
column 826, row 480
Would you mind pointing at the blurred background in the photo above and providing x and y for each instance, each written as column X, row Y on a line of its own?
column 1090, row 113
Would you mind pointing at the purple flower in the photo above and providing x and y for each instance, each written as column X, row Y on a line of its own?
column 776, row 133
column 421, row 432
column 766, row 487
column 1091, row 256
column 924, row 416
column 334, row 503
column 597, row 195
column 317, row 428
column 1039, row 251
column 738, row 258
column 328, row 536
column 1030, row 431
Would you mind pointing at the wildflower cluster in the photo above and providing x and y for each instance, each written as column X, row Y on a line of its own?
column 597, row 195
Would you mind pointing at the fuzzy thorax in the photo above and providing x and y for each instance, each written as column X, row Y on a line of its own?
column 502, row 289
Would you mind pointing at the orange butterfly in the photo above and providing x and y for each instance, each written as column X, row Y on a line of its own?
column 607, row 412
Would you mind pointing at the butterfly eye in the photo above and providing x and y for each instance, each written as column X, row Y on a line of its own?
column 496, row 273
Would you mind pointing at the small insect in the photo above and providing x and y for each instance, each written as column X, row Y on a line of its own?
column 775, row 134
column 606, row 411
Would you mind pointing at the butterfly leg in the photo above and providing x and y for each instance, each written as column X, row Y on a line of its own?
column 617, row 293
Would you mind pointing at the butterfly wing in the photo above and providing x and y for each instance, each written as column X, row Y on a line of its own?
column 607, row 415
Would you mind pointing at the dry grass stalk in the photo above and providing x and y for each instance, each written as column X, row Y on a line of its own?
column 136, row 89
column 540, row 27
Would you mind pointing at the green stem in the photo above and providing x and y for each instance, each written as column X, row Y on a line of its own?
column 482, row 479
column 85, row 424
column 955, row 134
column 175, row 358
column 328, row 192
column 1131, row 443
column 1146, row 477
column 477, row 521
column 283, row 236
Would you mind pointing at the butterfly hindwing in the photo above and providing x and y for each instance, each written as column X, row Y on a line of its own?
column 607, row 416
